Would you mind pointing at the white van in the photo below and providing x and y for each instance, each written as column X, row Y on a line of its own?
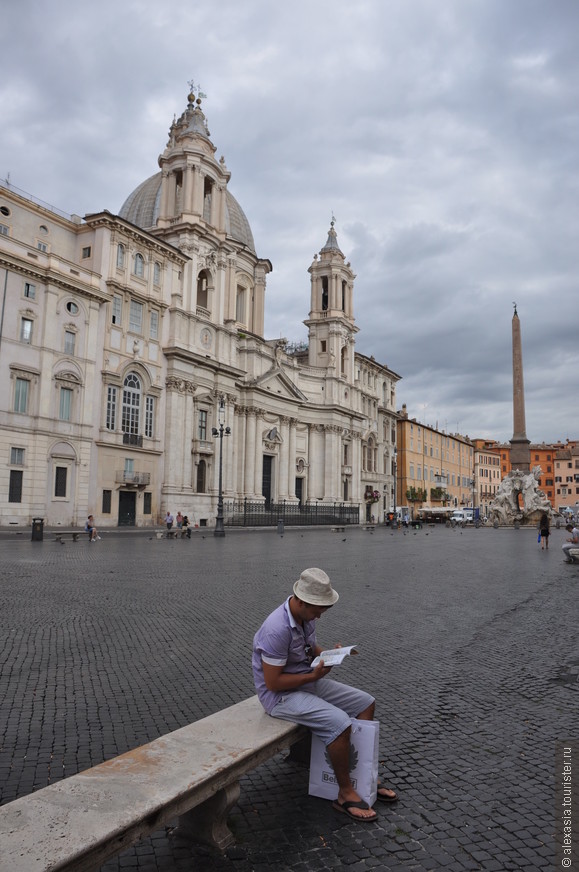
column 461, row 516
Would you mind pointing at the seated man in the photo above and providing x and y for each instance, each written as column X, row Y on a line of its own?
column 91, row 529
column 289, row 688
column 573, row 542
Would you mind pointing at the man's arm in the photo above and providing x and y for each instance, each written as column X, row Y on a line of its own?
column 278, row 680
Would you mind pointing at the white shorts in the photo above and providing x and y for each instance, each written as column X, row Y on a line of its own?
column 326, row 707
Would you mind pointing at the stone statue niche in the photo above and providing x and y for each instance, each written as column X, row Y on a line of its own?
column 519, row 499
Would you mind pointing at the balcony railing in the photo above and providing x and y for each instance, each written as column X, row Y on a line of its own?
column 132, row 439
column 136, row 478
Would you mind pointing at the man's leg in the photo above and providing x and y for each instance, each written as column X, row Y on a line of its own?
column 349, row 699
column 339, row 753
column 332, row 724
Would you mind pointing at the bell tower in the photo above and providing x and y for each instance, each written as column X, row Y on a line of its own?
column 194, row 183
column 331, row 325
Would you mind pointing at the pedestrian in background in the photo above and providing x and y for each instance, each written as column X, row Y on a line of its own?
column 544, row 531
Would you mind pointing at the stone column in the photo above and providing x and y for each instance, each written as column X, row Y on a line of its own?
column 258, row 456
column 188, row 177
column 332, row 464
column 189, row 434
column 239, row 443
column 164, row 210
column 292, row 459
column 316, row 461
column 520, row 451
column 283, row 492
column 356, row 494
column 249, row 478
column 173, row 426
column 198, row 184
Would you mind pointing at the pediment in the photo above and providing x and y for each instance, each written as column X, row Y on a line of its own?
column 276, row 382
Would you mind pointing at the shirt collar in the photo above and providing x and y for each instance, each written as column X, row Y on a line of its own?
column 292, row 620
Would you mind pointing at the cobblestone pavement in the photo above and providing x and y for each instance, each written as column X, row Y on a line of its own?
column 468, row 639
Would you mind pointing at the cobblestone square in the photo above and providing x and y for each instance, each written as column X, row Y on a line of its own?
column 468, row 639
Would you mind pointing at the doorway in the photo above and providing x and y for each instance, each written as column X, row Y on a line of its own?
column 127, row 508
column 266, row 478
column 300, row 490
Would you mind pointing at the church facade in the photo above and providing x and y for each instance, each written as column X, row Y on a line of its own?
column 127, row 340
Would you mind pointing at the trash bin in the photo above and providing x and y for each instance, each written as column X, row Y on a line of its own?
column 37, row 529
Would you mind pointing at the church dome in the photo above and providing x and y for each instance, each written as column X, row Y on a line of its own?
column 142, row 208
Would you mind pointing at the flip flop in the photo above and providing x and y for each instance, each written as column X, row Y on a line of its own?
column 344, row 808
column 383, row 798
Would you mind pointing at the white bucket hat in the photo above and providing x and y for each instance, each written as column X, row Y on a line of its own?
column 315, row 588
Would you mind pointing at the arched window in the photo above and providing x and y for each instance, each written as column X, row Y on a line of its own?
column 139, row 266
column 324, row 293
column 371, row 455
column 207, row 197
column 178, row 190
column 157, row 274
column 131, row 405
column 240, row 305
column 201, row 476
column 202, row 285
column 120, row 255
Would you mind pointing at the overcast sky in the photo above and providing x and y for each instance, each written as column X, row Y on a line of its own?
column 442, row 134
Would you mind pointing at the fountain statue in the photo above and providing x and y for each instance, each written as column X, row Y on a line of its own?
column 519, row 499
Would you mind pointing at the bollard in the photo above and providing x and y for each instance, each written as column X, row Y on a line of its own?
column 280, row 526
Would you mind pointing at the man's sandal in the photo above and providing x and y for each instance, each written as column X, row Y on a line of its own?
column 344, row 808
column 384, row 797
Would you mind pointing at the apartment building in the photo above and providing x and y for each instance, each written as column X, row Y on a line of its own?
column 434, row 469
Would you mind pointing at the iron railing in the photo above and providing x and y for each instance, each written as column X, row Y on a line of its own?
column 249, row 513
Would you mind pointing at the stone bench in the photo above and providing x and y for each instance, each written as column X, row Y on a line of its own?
column 191, row 774
column 59, row 535
column 369, row 527
column 574, row 553
column 175, row 533
column 338, row 529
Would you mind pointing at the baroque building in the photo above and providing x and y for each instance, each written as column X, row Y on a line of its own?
column 125, row 337
column 435, row 469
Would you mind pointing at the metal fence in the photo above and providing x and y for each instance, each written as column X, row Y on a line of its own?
column 246, row 513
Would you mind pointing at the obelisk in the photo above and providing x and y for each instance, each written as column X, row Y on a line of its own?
column 520, row 451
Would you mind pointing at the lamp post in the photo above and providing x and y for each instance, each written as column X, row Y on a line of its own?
column 473, row 492
column 219, row 528
column 394, row 465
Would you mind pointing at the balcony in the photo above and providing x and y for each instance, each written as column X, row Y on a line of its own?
column 202, row 446
column 132, row 439
column 136, row 479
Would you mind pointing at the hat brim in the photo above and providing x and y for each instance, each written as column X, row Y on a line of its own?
column 311, row 600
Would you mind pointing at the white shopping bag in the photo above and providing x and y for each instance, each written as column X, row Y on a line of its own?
column 363, row 764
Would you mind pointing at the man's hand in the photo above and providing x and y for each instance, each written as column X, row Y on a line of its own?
column 320, row 671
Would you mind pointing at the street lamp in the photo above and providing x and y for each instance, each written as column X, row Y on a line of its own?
column 394, row 465
column 473, row 492
column 219, row 528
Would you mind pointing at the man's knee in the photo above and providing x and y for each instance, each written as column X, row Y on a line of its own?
column 341, row 738
column 368, row 713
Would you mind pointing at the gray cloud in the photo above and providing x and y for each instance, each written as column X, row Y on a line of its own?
column 442, row 136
